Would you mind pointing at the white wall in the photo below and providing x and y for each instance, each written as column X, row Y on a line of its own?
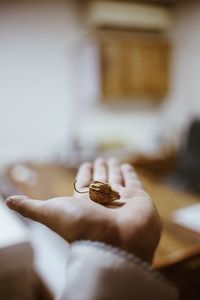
column 36, row 74
column 183, row 102
column 39, row 87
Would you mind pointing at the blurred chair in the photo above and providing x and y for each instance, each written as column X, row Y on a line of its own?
column 187, row 173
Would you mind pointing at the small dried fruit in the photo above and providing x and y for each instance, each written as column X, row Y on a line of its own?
column 101, row 192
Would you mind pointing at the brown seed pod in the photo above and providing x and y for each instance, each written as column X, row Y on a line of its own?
column 101, row 192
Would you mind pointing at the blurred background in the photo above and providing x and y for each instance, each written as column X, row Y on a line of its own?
column 79, row 79
column 67, row 76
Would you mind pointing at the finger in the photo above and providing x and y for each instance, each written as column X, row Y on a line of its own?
column 114, row 172
column 84, row 175
column 115, row 204
column 100, row 172
column 131, row 179
column 29, row 208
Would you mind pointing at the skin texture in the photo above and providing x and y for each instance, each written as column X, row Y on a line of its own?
column 133, row 224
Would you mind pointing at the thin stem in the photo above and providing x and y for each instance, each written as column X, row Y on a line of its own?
column 77, row 190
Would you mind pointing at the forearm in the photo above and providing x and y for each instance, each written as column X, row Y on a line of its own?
column 98, row 271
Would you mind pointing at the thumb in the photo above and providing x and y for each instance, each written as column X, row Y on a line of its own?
column 29, row 208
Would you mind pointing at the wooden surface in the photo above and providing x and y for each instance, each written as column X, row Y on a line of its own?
column 177, row 243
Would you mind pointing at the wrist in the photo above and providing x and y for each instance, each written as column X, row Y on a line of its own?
column 131, row 241
column 109, row 233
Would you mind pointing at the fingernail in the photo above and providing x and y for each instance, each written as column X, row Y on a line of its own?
column 10, row 201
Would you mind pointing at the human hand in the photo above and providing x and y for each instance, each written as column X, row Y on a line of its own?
column 134, row 226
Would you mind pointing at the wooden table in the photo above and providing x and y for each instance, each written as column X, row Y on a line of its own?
column 178, row 253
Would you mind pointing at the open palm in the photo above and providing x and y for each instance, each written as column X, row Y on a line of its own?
column 134, row 225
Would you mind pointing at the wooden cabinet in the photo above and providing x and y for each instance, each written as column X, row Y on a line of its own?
column 134, row 66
